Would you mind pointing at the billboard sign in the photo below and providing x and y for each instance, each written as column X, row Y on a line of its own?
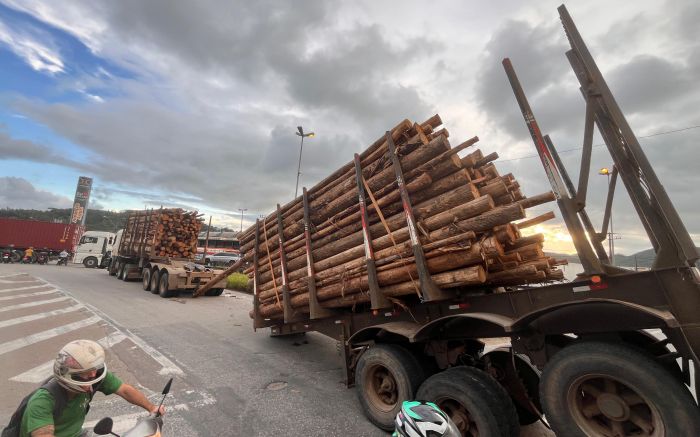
column 80, row 204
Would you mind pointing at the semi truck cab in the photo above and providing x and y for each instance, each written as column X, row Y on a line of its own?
column 93, row 247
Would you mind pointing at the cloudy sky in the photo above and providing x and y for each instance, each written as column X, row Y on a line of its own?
column 195, row 104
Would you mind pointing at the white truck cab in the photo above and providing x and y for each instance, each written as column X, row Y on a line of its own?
column 93, row 247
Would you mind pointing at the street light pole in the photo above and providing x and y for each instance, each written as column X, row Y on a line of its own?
column 242, row 210
column 300, row 132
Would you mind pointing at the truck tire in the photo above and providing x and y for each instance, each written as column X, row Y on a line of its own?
column 163, row 289
column 146, row 280
column 600, row 388
column 475, row 402
column 385, row 376
column 155, row 280
column 123, row 271
column 214, row 292
column 90, row 262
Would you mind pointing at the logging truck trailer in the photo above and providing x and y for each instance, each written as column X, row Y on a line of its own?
column 611, row 353
column 137, row 256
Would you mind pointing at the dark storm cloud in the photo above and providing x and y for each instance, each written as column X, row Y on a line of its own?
column 535, row 52
column 20, row 193
column 290, row 56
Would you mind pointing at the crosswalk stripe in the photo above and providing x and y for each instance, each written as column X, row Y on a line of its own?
column 38, row 293
column 33, row 304
column 168, row 367
column 42, row 371
column 45, row 335
column 7, row 290
column 38, row 316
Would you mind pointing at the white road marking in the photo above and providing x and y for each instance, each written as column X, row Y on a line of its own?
column 33, row 304
column 38, row 316
column 13, row 274
column 168, row 367
column 2, row 281
column 38, row 293
column 6, row 290
column 45, row 335
column 42, row 371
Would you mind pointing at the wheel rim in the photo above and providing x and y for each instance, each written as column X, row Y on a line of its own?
column 603, row 405
column 382, row 390
column 459, row 415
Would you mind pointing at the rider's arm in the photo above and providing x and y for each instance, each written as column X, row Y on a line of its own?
column 135, row 397
column 44, row 431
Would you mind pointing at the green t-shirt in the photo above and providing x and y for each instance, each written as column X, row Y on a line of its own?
column 39, row 412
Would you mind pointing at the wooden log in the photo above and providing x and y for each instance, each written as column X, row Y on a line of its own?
column 535, row 220
column 540, row 199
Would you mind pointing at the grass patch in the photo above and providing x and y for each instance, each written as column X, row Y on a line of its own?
column 237, row 281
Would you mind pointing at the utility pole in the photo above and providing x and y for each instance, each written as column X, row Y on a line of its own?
column 242, row 210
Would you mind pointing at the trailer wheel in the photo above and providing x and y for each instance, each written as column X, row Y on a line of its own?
column 214, row 292
column 599, row 388
column 163, row 286
column 90, row 262
column 155, row 281
column 386, row 375
column 475, row 402
column 123, row 271
column 146, row 281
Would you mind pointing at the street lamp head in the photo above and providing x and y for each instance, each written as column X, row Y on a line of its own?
column 604, row 171
column 301, row 133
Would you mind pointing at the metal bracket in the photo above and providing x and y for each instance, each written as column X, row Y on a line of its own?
column 316, row 311
column 377, row 298
column 429, row 290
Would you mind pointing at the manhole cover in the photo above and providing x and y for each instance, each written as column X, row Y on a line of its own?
column 274, row 386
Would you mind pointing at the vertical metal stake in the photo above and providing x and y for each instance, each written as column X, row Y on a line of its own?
column 316, row 311
column 428, row 288
column 377, row 299
column 286, row 304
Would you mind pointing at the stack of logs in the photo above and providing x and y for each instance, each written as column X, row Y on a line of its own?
column 165, row 232
column 464, row 210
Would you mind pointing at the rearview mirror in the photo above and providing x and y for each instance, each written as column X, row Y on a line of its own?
column 104, row 426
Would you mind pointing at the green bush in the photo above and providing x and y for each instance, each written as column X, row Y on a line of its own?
column 237, row 281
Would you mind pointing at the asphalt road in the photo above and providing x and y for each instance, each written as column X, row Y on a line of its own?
column 228, row 379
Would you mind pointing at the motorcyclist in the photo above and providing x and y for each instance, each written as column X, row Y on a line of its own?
column 423, row 419
column 80, row 370
column 29, row 254
column 63, row 257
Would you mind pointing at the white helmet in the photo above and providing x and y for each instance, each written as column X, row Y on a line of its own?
column 76, row 358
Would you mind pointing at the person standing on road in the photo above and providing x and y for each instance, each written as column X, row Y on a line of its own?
column 80, row 370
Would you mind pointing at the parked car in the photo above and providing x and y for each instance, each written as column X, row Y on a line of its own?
column 222, row 259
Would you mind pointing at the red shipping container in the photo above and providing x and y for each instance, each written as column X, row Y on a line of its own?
column 21, row 234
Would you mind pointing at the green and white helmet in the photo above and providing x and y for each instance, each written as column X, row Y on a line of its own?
column 75, row 360
column 423, row 419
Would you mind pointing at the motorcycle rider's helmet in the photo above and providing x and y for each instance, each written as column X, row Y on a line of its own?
column 423, row 419
column 79, row 365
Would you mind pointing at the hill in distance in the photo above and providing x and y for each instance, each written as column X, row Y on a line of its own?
column 640, row 259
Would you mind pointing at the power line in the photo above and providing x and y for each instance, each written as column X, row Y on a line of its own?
column 601, row 145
